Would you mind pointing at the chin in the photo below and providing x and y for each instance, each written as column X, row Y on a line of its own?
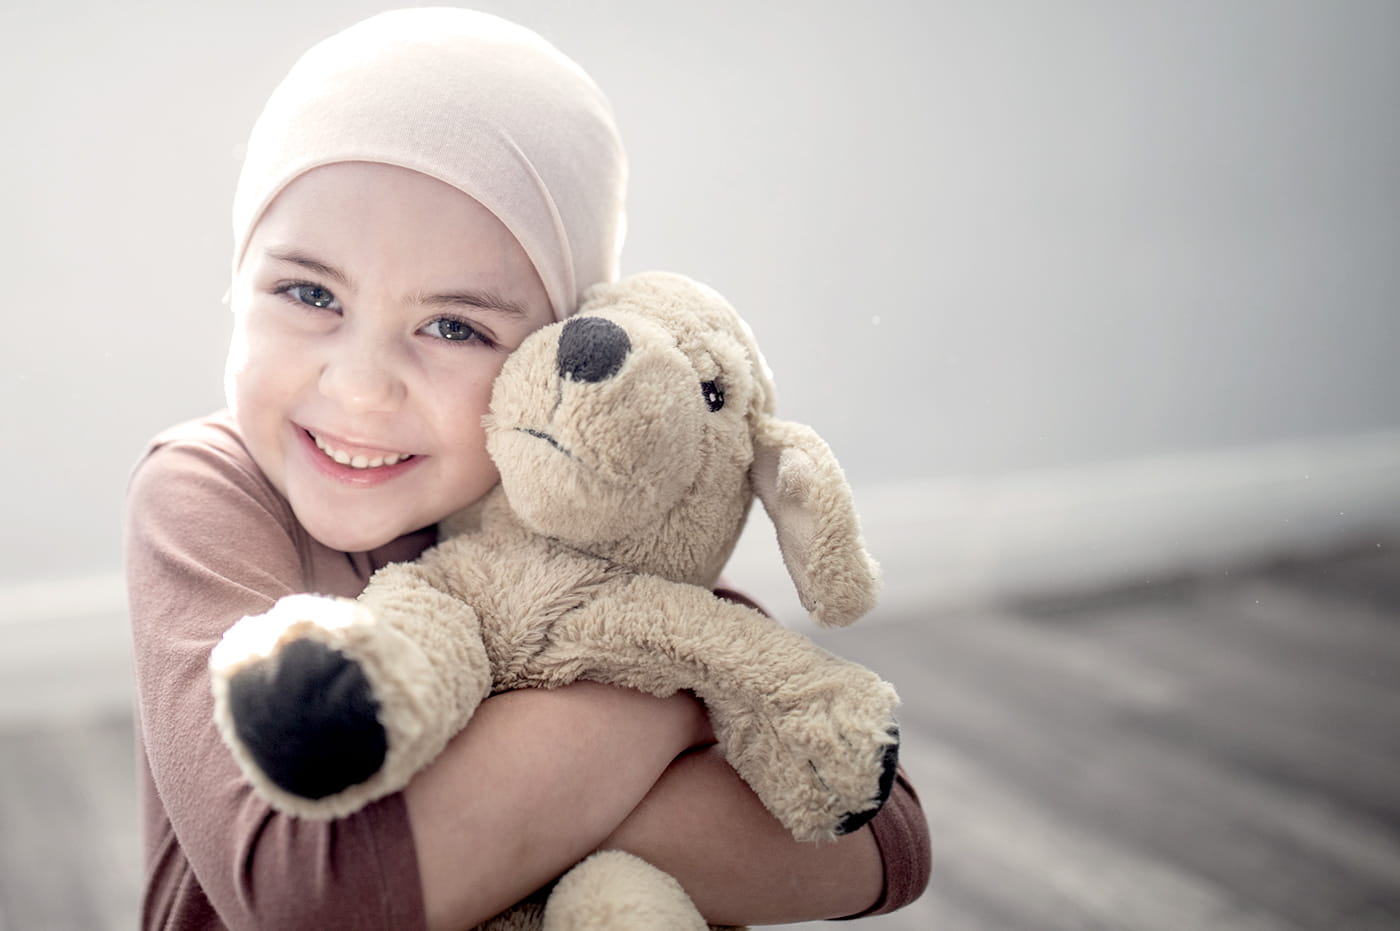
column 352, row 540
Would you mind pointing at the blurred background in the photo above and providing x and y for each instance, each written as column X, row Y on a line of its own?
column 1096, row 301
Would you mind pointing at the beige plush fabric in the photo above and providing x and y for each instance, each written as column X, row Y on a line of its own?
column 483, row 104
column 631, row 440
column 216, row 855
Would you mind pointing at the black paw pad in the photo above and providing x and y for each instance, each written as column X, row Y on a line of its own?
column 889, row 761
column 309, row 719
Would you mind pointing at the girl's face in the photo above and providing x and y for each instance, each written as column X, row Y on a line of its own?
column 373, row 309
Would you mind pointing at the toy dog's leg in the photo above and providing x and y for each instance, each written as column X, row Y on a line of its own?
column 329, row 704
column 615, row 891
column 814, row 735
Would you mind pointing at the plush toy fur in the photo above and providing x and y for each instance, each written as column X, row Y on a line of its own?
column 631, row 440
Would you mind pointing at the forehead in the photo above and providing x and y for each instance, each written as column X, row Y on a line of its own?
column 369, row 218
column 380, row 192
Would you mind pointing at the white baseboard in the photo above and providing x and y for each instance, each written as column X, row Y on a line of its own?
column 958, row 543
column 67, row 651
column 944, row 544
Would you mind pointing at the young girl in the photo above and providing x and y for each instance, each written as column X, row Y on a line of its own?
column 421, row 192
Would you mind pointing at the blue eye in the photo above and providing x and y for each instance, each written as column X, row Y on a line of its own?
column 312, row 295
column 455, row 330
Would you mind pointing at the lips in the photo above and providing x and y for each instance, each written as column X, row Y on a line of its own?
column 352, row 464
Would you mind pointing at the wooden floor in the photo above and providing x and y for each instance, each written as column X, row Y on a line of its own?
column 1218, row 753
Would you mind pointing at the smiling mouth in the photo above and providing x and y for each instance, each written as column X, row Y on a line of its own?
column 358, row 460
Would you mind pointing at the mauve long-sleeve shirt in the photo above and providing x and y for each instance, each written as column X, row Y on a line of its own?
column 209, row 540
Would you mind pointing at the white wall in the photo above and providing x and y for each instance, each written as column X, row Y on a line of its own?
column 981, row 239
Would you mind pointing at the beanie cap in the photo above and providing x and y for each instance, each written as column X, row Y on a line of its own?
column 472, row 100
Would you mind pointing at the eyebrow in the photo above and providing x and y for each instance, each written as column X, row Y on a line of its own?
column 479, row 300
column 476, row 299
column 313, row 265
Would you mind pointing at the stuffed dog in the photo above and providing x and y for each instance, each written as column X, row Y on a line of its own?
column 630, row 439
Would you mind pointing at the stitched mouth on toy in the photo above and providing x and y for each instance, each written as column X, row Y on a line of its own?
column 541, row 435
column 598, row 475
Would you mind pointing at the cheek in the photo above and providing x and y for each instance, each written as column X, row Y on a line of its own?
column 457, row 403
column 264, row 363
column 248, row 380
column 238, row 367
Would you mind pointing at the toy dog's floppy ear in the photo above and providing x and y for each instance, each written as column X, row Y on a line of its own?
column 802, row 487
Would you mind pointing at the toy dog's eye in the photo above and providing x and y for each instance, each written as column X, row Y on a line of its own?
column 714, row 394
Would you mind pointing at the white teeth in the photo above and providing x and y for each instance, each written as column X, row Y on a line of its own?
column 361, row 461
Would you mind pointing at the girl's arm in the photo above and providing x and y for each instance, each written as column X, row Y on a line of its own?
column 537, row 780
column 703, row 825
column 532, row 785
column 557, row 774
column 207, row 541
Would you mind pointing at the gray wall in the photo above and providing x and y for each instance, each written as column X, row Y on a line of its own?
column 975, row 238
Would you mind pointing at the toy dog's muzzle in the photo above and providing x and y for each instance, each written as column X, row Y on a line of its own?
column 592, row 349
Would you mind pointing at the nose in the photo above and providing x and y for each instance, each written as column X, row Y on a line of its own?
column 362, row 380
column 592, row 349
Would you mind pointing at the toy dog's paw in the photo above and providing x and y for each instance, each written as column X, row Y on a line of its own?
column 847, row 780
column 889, row 761
column 308, row 718
column 825, row 763
column 298, row 704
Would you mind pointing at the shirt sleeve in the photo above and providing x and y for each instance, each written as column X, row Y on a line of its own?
column 208, row 541
column 901, row 834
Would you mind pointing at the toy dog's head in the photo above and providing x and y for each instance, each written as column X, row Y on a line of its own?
column 641, row 428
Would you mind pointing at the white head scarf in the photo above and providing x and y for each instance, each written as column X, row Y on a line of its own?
column 475, row 101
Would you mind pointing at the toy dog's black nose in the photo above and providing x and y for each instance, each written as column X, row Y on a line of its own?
column 592, row 349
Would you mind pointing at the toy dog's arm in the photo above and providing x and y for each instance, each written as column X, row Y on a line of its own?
column 329, row 704
column 813, row 734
